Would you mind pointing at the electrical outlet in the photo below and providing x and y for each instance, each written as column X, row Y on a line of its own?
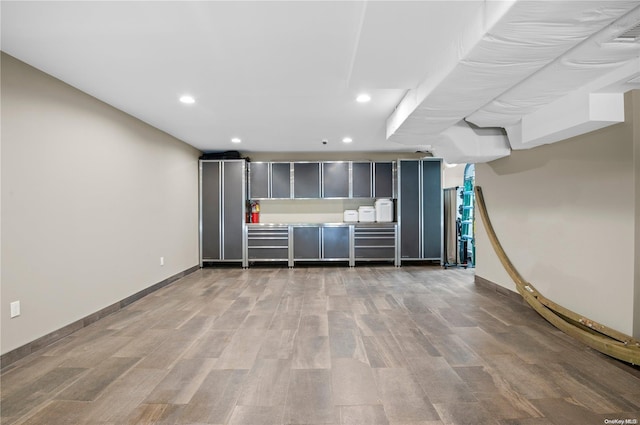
column 162, row 261
column 15, row 309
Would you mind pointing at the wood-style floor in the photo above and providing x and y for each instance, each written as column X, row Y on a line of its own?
column 331, row 345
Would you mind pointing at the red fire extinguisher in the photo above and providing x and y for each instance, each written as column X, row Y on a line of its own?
column 255, row 212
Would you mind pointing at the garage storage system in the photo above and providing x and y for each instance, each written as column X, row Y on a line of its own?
column 410, row 189
column 420, row 209
column 222, row 210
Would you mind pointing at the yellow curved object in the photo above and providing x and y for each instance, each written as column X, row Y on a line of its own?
column 597, row 336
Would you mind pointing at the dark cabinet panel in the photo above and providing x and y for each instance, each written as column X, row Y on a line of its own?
column 233, row 209
column 361, row 179
column 306, row 179
column 383, row 179
column 431, row 210
column 409, row 209
column 268, row 243
column 281, row 180
column 306, row 243
column 420, row 201
column 335, row 179
column 222, row 212
column 210, row 210
column 259, row 180
column 335, row 242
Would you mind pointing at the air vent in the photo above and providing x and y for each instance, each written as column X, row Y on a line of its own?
column 631, row 35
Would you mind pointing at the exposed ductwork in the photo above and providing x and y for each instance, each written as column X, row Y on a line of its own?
column 535, row 53
column 463, row 143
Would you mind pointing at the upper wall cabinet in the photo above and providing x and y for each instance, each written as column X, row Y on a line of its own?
column 280, row 180
column 306, row 180
column 269, row 180
column 327, row 179
column 259, row 181
column 383, row 181
column 361, row 179
column 335, row 179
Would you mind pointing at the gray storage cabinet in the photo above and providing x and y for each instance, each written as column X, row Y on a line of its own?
column 361, row 181
column 375, row 241
column 306, row 243
column 267, row 242
column 420, row 209
column 259, row 180
column 269, row 180
column 306, row 180
column 335, row 179
column 383, row 181
column 222, row 210
column 321, row 242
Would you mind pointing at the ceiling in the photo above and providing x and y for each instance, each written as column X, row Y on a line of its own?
column 284, row 76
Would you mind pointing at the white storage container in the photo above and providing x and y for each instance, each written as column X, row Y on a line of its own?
column 366, row 214
column 350, row 216
column 384, row 210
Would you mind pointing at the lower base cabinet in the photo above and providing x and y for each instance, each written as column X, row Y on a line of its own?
column 321, row 243
column 375, row 243
column 334, row 242
column 268, row 244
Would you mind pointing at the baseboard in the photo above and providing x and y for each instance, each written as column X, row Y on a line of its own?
column 33, row 346
column 485, row 283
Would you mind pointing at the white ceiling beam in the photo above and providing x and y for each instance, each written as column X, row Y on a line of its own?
column 567, row 117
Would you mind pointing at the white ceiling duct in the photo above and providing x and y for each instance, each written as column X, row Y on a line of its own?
column 593, row 65
column 526, row 38
column 463, row 143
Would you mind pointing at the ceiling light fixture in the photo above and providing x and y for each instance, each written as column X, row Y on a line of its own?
column 236, row 140
column 347, row 140
column 187, row 99
column 363, row 98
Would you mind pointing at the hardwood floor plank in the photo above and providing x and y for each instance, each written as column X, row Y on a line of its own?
column 216, row 398
column 278, row 345
column 319, row 345
column 347, row 344
column 402, row 396
column 384, row 352
column 465, row 414
column 267, row 383
column 92, row 383
column 60, row 412
column 252, row 415
column 311, row 352
column 242, row 350
column 127, row 393
column 363, row 415
column 31, row 394
column 209, row 345
column 181, row 383
column 353, row 383
column 310, row 400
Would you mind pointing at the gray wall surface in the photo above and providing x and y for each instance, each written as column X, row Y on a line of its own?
column 91, row 199
column 567, row 216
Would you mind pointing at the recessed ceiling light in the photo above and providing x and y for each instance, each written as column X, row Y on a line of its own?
column 236, row 140
column 347, row 140
column 363, row 98
column 187, row 99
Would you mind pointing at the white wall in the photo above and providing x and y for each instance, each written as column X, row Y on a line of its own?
column 636, row 147
column 91, row 198
column 565, row 215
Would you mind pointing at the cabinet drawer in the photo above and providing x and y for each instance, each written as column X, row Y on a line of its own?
column 265, row 253
column 375, row 253
column 267, row 231
column 375, row 242
column 268, row 241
